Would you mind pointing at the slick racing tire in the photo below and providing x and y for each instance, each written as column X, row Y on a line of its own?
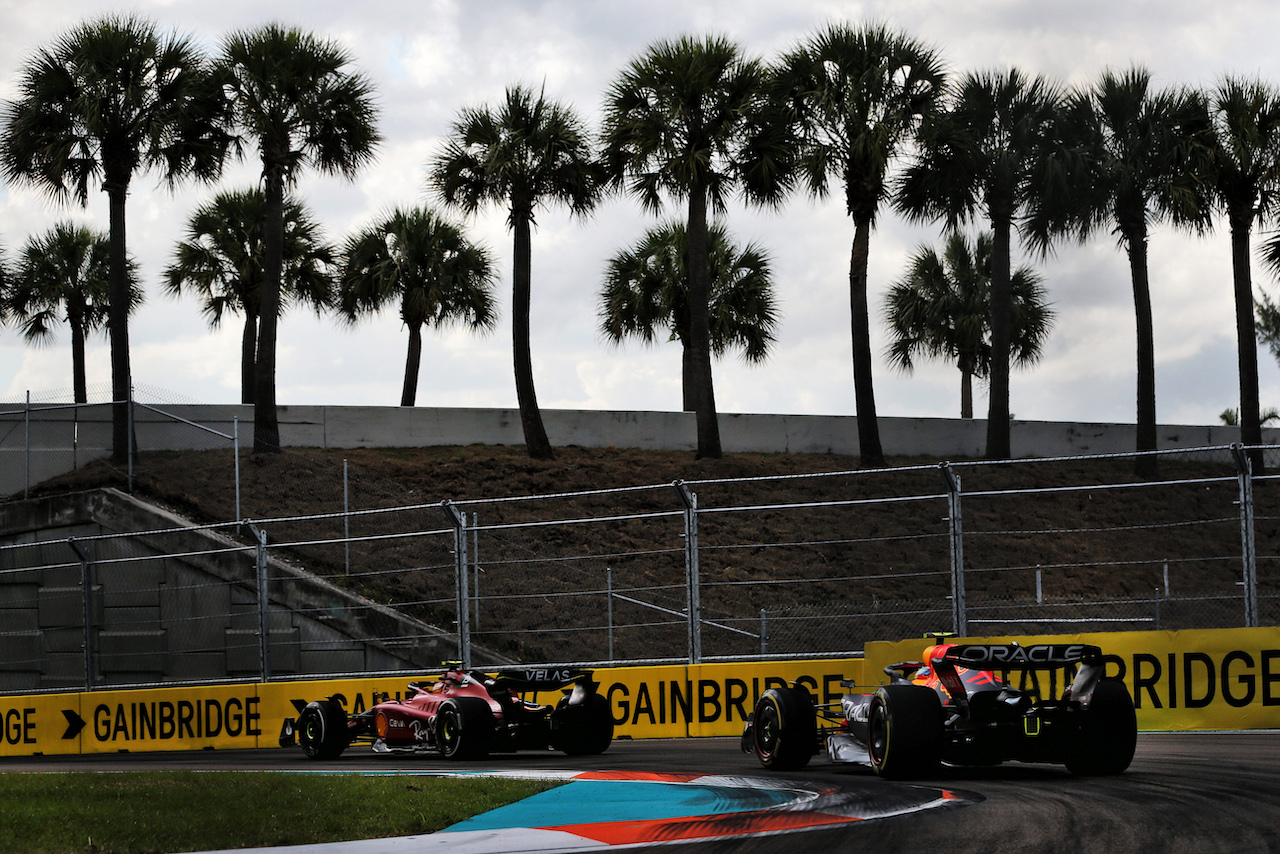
column 905, row 731
column 464, row 726
column 322, row 730
column 1108, row 732
column 784, row 728
column 585, row 729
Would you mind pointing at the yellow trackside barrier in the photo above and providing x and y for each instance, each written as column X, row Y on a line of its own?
column 708, row 699
column 1202, row 679
column 1190, row 680
column 40, row 723
column 648, row 702
column 722, row 695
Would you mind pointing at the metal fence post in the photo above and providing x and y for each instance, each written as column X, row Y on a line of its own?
column 235, row 440
column 608, row 589
column 1248, row 553
column 959, row 617
column 690, row 502
column 346, row 519
column 459, row 521
column 264, row 606
column 26, row 441
column 764, row 632
column 86, row 595
column 475, row 563
column 129, row 410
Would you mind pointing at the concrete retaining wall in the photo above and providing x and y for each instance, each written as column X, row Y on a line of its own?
column 392, row 426
column 87, row 429
column 44, row 443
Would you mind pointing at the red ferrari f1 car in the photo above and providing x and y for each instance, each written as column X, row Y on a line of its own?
column 952, row 708
column 465, row 714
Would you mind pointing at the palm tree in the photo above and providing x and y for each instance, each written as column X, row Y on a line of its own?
column 1127, row 166
column 1244, row 177
column 526, row 153
column 107, row 99
column 221, row 261
column 65, row 275
column 425, row 263
column 679, row 122
column 293, row 96
column 980, row 158
column 942, row 309
column 646, row 290
column 857, row 97
column 1231, row 417
column 1267, row 310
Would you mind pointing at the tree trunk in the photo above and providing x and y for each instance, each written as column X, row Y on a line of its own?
column 687, row 383
column 118, row 319
column 869, row 449
column 248, row 357
column 411, row 364
column 704, row 396
column 76, row 319
column 1246, row 336
column 536, row 442
column 998, row 444
column 1146, row 464
column 966, row 394
column 266, row 427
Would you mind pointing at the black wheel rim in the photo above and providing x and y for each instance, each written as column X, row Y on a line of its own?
column 449, row 732
column 312, row 729
column 767, row 731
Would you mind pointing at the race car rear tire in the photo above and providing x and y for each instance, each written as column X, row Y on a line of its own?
column 1108, row 733
column 784, row 728
column 585, row 729
column 464, row 727
column 905, row 734
column 322, row 730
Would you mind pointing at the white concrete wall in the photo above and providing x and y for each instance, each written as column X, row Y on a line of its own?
column 393, row 426
column 52, row 432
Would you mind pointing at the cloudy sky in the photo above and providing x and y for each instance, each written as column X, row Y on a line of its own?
column 429, row 58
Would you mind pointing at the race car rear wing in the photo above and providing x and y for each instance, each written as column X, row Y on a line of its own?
column 543, row 679
column 945, row 658
column 1013, row 656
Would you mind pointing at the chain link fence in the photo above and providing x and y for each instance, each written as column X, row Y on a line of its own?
column 42, row 437
column 101, row 589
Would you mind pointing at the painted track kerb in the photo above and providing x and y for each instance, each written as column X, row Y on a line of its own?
column 600, row 810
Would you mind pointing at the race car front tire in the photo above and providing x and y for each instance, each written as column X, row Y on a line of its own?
column 584, row 729
column 1108, row 733
column 464, row 726
column 784, row 728
column 322, row 730
column 905, row 734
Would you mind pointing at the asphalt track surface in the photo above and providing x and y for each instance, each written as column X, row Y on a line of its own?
column 1185, row 792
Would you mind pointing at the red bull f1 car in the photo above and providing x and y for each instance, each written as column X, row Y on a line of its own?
column 464, row 714
column 952, row 707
